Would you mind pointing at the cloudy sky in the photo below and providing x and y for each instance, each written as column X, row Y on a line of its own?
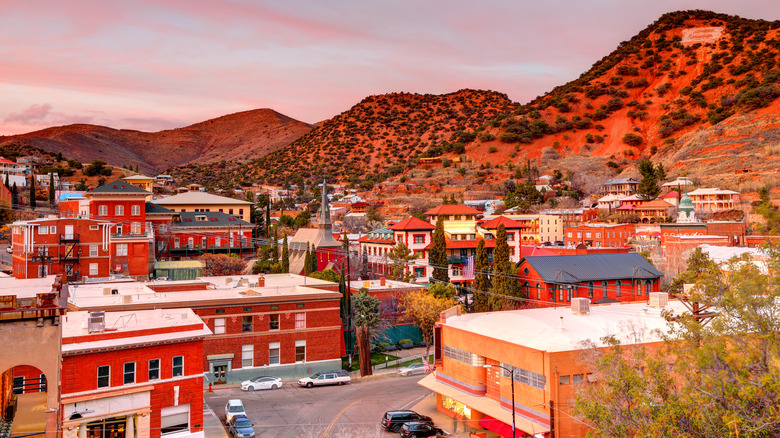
column 153, row 65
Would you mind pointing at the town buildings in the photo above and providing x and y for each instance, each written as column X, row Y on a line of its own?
column 599, row 235
column 711, row 200
column 330, row 255
column 197, row 201
column 619, row 186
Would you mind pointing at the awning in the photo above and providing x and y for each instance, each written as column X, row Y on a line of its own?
column 499, row 427
column 485, row 405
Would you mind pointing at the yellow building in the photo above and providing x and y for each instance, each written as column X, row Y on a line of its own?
column 198, row 201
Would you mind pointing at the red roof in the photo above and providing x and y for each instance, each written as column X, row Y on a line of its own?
column 451, row 209
column 412, row 223
column 374, row 239
column 627, row 207
column 496, row 221
column 673, row 194
column 4, row 161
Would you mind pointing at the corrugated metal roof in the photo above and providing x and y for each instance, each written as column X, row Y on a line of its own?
column 592, row 267
column 181, row 264
column 119, row 186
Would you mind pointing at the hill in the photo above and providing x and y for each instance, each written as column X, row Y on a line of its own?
column 236, row 136
column 688, row 72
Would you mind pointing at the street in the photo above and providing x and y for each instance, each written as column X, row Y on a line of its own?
column 350, row 410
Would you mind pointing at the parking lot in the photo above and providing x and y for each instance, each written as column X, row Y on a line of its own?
column 349, row 410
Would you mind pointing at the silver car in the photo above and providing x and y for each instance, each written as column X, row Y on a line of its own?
column 262, row 382
column 414, row 368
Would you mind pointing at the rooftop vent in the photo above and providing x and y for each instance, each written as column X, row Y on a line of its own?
column 580, row 306
column 96, row 322
column 658, row 299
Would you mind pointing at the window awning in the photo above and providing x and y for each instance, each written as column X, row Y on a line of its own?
column 499, row 427
column 487, row 406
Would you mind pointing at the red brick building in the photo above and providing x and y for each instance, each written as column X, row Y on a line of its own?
column 599, row 235
column 70, row 246
column 602, row 278
column 134, row 373
column 283, row 324
column 191, row 234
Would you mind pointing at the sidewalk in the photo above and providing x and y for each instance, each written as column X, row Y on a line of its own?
column 212, row 424
column 403, row 356
column 427, row 406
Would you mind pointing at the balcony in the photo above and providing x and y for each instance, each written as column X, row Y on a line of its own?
column 130, row 235
column 69, row 237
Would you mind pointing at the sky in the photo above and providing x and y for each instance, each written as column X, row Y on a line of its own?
column 164, row 64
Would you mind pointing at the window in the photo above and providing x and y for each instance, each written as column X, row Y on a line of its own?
column 93, row 269
column 587, row 234
column 273, row 353
column 590, row 290
column 300, row 320
column 579, row 234
column 457, row 354
column 93, row 250
column 174, row 419
column 135, row 228
column 121, row 249
column 176, row 243
column 18, row 385
column 538, row 291
column 203, row 242
column 103, row 210
column 219, row 326
column 603, row 289
column 191, row 242
column 455, row 271
column 568, row 234
column 246, row 323
column 129, row 373
column 178, row 366
column 119, row 210
column 563, row 380
column 119, row 229
column 273, row 321
column 135, row 210
column 510, row 237
column 247, row 355
column 93, row 228
column 419, row 239
column 419, row 272
column 154, row 369
column 217, row 242
column 43, row 230
column 230, row 211
column 104, row 376
column 241, row 212
column 617, row 288
column 598, row 235
column 300, row 351
column 524, row 376
column 576, row 378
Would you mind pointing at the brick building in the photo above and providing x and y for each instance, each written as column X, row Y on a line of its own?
column 191, row 234
column 599, row 235
column 540, row 350
column 283, row 324
column 132, row 373
column 70, row 246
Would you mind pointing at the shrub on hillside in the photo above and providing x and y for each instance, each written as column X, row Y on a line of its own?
column 632, row 139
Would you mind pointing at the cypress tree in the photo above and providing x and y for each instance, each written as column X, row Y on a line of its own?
column 51, row 189
column 275, row 248
column 33, row 201
column 504, row 282
column 14, row 196
column 437, row 257
column 307, row 260
column 268, row 219
column 285, row 256
column 313, row 260
column 481, row 280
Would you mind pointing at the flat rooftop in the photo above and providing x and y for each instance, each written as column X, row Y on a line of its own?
column 389, row 284
column 123, row 329
column 26, row 288
column 539, row 329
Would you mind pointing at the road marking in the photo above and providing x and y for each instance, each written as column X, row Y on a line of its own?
column 413, row 401
column 330, row 426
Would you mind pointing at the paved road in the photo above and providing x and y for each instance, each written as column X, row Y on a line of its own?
column 350, row 410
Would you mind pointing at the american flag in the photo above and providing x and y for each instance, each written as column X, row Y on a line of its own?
column 468, row 271
column 427, row 366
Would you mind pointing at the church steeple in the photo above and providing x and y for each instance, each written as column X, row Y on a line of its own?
column 323, row 218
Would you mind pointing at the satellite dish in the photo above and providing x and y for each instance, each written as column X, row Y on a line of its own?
column 79, row 414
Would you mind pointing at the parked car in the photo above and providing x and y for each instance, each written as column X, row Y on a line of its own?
column 414, row 368
column 393, row 420
column 262, row 382
column 9, row 249
column 417, row 429
column 232, row 408
column 240, row 427
column 338, row 377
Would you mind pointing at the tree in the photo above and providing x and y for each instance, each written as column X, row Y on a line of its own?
column 264, row 262
column 221, row 264
column 275, row 247
column 423, row 310
column 307, row 260
column 400, row 256
column 441, row 290
column 51, row 190
column 14, row 196
column 33, row 201
column 327, row 275
column 705, row 380
column 648, row 185
column 312, row 260
column 504, row 282
column 365, row 309
column 481, row 282
column 437, row 256
column 285, row 255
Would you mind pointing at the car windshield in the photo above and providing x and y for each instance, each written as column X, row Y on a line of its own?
column 235, row 408
column 243, row 422
column 314, row 376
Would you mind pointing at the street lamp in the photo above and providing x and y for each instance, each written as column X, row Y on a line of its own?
column 512, row 376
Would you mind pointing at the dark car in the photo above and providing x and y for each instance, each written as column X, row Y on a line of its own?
column 393, row 420
column 241, row 427
column 419, row 430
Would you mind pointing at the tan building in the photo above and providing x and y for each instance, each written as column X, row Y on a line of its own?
column 144, row 182
column 197, row 201
column 712, row 200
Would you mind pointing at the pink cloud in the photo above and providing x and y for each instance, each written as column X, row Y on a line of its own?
column 30, row 115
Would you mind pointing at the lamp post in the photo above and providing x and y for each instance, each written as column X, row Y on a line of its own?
column 512, row 376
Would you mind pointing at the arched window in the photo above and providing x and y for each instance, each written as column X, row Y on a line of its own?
column 603, row 289
column 617, row 288
column 526, row 289
column 538, row 291
column 590, row 290
column 648, row 287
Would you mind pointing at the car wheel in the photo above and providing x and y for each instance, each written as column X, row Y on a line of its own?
column 274, row 386
column 397, row 428
column 309, row 385
column 250, row 388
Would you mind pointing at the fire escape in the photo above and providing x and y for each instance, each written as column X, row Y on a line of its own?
column 70, row 256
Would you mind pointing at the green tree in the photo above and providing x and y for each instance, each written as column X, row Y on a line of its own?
column 481, row 284
column 275, row 247
column 307, row 260
column 400, row 256
column 14, row 196
column 33, row 201
column 313, row 260
column 365, row 309
column 504, row 271
column 51, row 190
column 423, row 310
column 285, row 255
column 648, row 185
column 327, row 275
column 437, row 256
column 441, row 290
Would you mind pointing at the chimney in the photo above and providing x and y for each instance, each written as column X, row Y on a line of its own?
column 382, row 281
column 560, row 327
column 580, row 306
column 261, row 281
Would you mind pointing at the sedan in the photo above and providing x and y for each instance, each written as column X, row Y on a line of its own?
column 414, row 368
column 240, row 427
column 262, row 382
column 419, row 430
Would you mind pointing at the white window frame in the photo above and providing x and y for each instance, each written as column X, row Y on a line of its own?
column 135, row 228
column 300, row 320
column 43, row 230
column 119, row 210
column 299, row 344
column 274, row 359
column 93, row 269
column 102, row 210
column 135, row 210
column 108, row 377
column 219, row 326
column 247, row 356
column 125, row 373
column 156, row 368
column 174, row 366
column 121, row 250
column 93, row 250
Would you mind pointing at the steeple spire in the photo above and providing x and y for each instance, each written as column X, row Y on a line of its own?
column 323, row 218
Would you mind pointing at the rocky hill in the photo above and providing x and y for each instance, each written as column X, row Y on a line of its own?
column 688, row 78
column 234, row 137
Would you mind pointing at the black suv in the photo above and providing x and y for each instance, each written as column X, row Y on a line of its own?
column 417, row 430
column 393, row 420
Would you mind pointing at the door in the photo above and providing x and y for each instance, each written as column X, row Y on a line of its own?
column 219, row 373
column 68, row 231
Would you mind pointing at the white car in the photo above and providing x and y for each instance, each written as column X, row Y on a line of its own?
column 262, row 382
column 327, row 378
column 232, row 408
column 414, row 368
column 9, row 249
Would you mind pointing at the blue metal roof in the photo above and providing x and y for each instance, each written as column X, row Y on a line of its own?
column 592, row 267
